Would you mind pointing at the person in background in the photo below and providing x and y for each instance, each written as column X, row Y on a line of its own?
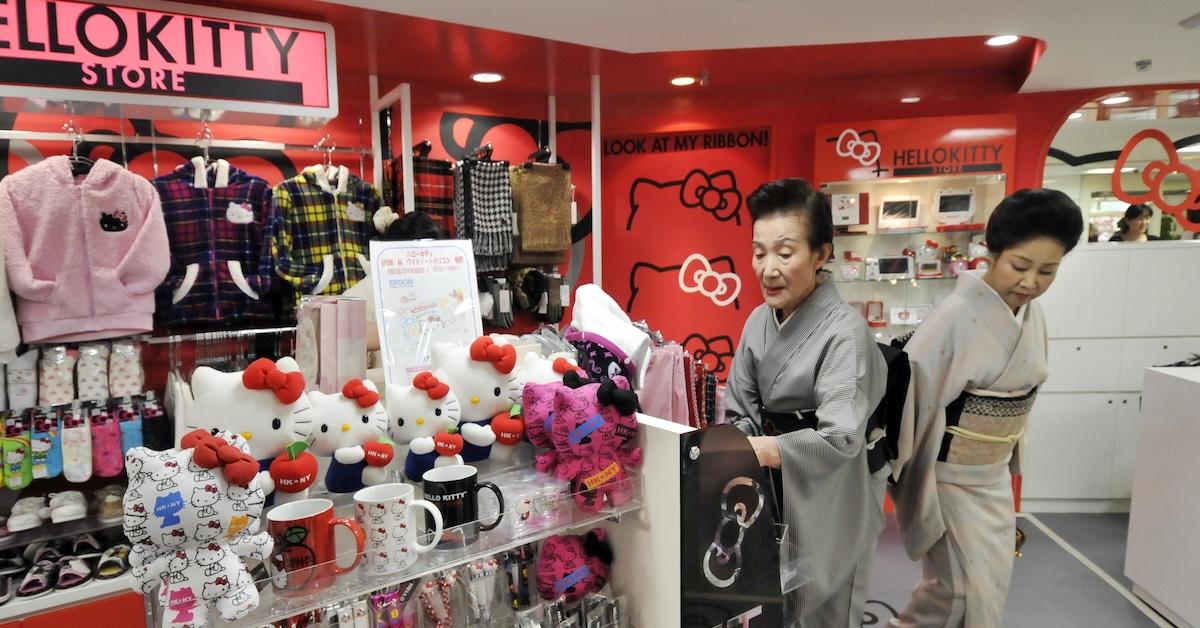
column 805, row 379
column 977, row 361
column 1135, row 226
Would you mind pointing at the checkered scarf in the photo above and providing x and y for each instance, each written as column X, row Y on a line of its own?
column 433, row 189
column 483, row 211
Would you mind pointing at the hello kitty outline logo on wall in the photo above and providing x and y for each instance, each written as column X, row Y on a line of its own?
column 1154, row 176
column 699, row 271
column 861, row 146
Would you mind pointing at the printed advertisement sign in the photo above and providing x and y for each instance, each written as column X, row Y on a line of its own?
column 167, row 54
column 424, row 293
column 915, row 147
column 676, row 203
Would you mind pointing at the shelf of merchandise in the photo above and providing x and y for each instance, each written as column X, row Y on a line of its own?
column 18, row 607
column 895, row 282
column 52, row 531
column 357, row 584
column 908, row 232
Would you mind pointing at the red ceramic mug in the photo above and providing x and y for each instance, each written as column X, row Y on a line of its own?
column 305, row 554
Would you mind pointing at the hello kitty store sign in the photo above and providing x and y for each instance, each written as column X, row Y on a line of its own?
column 167, row 54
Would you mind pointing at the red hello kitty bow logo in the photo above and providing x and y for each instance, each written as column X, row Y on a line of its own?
column 221, row 580
column 213, row 451
column 1154, row 175
column 357, row 391
column 263, row 374
column 502, row 357
column 213, row 547
column 216, row 525
column 433, row 387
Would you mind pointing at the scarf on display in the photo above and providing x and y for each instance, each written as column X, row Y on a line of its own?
column 542, row 199
column 483, row 211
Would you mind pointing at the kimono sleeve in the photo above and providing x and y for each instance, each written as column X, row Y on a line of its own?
column 742, row 398
column 849, row 384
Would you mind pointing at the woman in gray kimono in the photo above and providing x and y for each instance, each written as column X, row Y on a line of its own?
column 805, row 379
column 977, row 361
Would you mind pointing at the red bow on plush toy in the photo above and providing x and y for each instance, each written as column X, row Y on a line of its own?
column 562, row 366
column 502, row 357
column 264, row 375
column 358, row 391
column 433, row 387
column 213, row 451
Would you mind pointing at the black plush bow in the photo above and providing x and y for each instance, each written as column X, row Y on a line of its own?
column 625, row 401
column 573, row 379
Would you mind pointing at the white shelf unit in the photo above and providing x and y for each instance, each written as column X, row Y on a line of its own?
column 1113, row 310
column 18, row 608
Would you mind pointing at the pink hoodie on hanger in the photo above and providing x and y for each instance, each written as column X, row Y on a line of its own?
column 84, row 254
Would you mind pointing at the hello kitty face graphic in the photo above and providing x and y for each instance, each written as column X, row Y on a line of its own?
column 208, row 531
column 379, row 535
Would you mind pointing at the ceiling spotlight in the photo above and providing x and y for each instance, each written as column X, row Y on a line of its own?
column 1116, row 100
column 1075, row 116
column 683, row 81
column 908, row 100
column 1002, row 40
column 487, row 77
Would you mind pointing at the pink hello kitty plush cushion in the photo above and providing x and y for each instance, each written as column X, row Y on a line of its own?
column 592, row 430
column 570, row 567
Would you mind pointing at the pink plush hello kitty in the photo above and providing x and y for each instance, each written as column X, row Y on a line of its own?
column 573, row 566
column 592, row 431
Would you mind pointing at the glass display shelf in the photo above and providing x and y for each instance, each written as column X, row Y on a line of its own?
column 893, row 282
column 973, row 230
column 53, row 531
column 516, row 529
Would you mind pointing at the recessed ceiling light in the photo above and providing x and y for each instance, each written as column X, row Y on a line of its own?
column 1190, row 148
column 487, row 77
column 908, row 100
column 1108, row 170
column 902, row 181
column 1116, row 100
column 683, row 81
column 1002, row 40
column 1075, row 116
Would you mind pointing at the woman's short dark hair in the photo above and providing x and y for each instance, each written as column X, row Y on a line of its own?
column 795, row 196
column 1132, row 212
column 413, row 226
column 1034, row 213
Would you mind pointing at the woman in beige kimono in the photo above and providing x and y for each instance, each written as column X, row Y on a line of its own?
column 977, row 362
column 804, row 381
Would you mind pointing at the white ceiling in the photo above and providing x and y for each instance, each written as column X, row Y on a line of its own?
column 1083, row 137
column 1089, row 44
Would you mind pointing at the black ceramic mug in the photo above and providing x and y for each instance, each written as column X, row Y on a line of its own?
column 454, row 490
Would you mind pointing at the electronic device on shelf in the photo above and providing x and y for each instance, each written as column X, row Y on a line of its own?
column 955, row 206
column 910, row 314
column 900, row 212
column 889, row 267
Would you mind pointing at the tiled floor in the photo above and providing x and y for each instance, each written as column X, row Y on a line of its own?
column 1050, row 586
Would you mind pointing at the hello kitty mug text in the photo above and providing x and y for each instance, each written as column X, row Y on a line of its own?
column 387, row 513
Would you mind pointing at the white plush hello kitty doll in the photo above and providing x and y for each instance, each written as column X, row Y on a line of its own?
column 533, row 368
column 265, row 404
column 351, row 427
column 483, row 378
column 415, row 414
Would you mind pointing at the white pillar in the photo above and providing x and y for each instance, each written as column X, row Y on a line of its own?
column 406, row 144
column 552, row 122
column 376, row 131
column 596, row 187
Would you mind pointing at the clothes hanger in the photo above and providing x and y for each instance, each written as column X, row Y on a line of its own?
column 80, row 165
column 203, row 140
column 421, row 149
column 482, row 153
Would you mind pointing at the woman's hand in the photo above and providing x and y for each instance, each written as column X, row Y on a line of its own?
column 767, row 450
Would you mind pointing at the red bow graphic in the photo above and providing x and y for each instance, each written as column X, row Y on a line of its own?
column 180, row 553
column 138, row 508
column 434, row 387
column 264, row 375
column 176, row 532
column 1154, row 175
column 171, row 465
column 213, row 451
column 216, row 525
column 360, row 394
column 502, row 357
column 212, row 547
column 221, row 580
column 210, row 489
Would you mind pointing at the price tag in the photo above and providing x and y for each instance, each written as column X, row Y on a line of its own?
column 574, row 212
column 516, row 227
column 544, row 304
column 564, row 294
column 505, row 304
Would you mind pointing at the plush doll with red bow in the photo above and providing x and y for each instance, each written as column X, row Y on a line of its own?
column 415, row 414
column 189, row 537
column 351, row 427
column 266, row 405
column 593, row 430
column 483, row 377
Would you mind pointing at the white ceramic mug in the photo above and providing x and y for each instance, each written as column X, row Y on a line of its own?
column 387, row 515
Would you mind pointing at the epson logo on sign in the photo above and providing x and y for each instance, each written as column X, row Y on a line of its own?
column 177, row 54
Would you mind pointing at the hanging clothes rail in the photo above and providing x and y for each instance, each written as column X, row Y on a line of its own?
column 50, row 136
column 218, row 335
